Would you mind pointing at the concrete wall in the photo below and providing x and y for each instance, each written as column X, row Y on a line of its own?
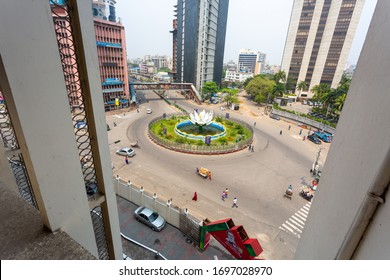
column 138, row 197
column 352, row 190
column 34, row 89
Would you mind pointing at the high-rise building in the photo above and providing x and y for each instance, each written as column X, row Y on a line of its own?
column 319, row 39
column 251, row 61
column 111, row 49
column 104, row 9
column 112, row 57
column 201, row 30
column 174, row 46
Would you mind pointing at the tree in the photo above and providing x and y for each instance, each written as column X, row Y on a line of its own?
column 301, row 86
column 259, row 88
column 164, row 69
column 230, row 96
column 339, row 101
column 280, row 77
column 320, row 91
column 279, row 89
column 209, row 87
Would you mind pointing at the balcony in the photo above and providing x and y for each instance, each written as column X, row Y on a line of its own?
column 24, row 237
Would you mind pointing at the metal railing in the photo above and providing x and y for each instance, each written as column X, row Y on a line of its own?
column 22, row 180
column 65, row 32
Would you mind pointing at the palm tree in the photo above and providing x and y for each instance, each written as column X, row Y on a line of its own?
column 280, row 76
column 339, row 101
column 301, row 86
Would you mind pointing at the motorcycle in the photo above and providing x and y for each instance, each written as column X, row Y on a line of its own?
column 306, row 195
column 289, row 192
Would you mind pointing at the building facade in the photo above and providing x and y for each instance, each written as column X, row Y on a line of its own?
column 111, row 49
column 319, row 40
column 104, row 9
column 237, row 76
column 201, row 31
column 251, row 61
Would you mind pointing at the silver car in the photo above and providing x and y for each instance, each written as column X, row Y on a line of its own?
column 126, row 152
column 150, row 218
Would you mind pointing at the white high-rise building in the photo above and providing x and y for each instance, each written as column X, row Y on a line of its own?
column 319, row 40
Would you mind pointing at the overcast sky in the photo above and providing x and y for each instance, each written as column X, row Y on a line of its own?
column 252, row 24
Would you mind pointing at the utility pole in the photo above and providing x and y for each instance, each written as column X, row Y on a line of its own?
column 315, row 164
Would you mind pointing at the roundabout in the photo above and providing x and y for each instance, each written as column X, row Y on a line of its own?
column 258, row 179
column 200, row 133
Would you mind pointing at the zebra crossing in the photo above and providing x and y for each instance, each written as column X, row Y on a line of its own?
column 296, row 222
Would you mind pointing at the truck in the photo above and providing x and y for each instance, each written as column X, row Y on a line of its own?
column 326, row 137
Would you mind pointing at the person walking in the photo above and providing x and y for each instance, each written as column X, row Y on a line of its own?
column 304, row 138
column 252, row 148
column 195, row 197
column 249, row 147
column 300, row 132
column 254, row 124
column 289, row 127
column 223, row 196
column 235, row 203
column 126, row 160
column 281, row 132
column 209, row 175
column 226, row 192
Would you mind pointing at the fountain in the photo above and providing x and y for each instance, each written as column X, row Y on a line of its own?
column 199, row 126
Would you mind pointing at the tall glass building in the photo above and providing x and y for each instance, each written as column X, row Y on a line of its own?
column 201, row 30
column 319, row 39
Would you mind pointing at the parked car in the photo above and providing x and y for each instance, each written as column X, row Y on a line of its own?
column 310, row 103
column 150, row 218
column 149, row 111
column 275, row 117
column 314, row 139
column 126, row 152
column 304, row 102
column 326, row 137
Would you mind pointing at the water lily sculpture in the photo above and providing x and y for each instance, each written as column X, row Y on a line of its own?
column 202, row 118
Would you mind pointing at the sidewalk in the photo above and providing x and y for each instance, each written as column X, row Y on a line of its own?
column 170, row 242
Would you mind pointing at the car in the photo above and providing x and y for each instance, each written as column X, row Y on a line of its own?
column 310, row 103
column 304, row 102
column 126, row 152
column 149, row 111
column 150, row 218
column 314, row 139
column 275, row 117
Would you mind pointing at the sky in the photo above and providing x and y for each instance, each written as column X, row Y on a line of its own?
column 259, row 25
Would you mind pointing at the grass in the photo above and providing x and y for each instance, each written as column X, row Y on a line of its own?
column 235, row 132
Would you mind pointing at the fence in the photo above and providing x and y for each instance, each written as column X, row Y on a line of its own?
column 175, row 216
column 304, row 120
column 200, row 149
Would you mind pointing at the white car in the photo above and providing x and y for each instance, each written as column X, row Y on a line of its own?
column 149, row 111
column 126, row 152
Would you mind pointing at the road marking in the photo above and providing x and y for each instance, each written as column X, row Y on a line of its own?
column 296, row 223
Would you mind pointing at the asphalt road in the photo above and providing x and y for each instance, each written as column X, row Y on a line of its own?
column 258, row 179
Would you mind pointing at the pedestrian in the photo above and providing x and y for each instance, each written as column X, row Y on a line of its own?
column 235, row 203
column 223, row 196
column 300, row 132
column 289, row 127
column 137, row 110
column 195, row 197
column 253, row 148
column 249, row 147
column 126, row 160
column 254, row 124
column 209, row 175
column 304, row 138
column 281, row 132
column 226, row 192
